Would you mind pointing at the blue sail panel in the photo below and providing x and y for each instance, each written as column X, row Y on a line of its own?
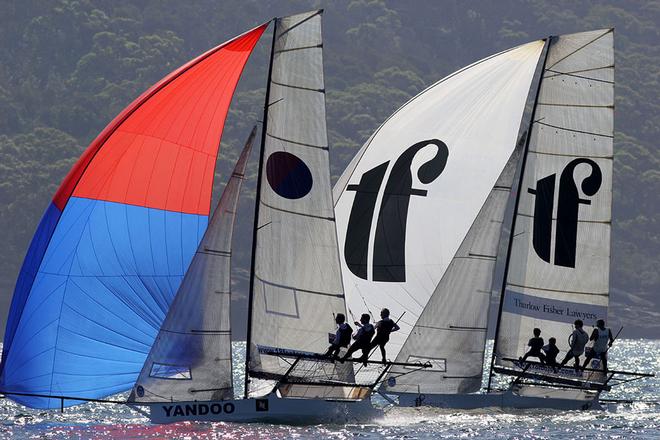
column 97, row 300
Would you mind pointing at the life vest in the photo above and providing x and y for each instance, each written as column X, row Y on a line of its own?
column 600, row 344
column 345, row 332
column 365, row 334
column 385, row 327
column 580, row 339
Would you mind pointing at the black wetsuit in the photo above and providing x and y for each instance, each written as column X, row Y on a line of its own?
column 384, row 327
column 362, row 340
column 535, row 345
column 551, row 352
column 342, row 339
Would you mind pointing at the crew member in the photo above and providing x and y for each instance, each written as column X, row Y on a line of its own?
column 341, row 338
column 551, row 351
column 383, row 329
column 535, row 345
column 362, row 339
column 576, row 341
column 603, row 339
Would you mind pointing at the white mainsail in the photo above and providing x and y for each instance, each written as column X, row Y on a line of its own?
column 191, row 357
column 408, row 199
column 558, row 267
column 297, row 287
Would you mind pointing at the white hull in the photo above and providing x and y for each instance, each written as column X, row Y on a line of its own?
column 269, row 409
column 516, row 398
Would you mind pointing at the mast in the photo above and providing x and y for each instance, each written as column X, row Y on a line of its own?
column 515, row 209
column 264, row 128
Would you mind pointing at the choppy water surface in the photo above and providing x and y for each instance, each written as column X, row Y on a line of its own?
column 639, row 420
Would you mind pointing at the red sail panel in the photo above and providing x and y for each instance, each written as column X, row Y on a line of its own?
column 160, row 152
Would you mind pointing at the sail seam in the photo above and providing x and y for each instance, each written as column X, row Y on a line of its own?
column 299, row 48
column 577, row 71
column 202, row 390
column 450, row 328
column 547, row 153
column 604, row 222
column 573, row 292
column 577, row 76
column 578, row 49
column 294, row 212
column 574, row 130
column 299, row 23
column 291, row 86
column 475, row 257
column 297, row 143
column 557, row 104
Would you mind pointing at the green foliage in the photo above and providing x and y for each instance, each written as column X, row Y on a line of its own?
column 67, row 67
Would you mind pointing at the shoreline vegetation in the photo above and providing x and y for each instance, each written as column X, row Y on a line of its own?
column 67, row 67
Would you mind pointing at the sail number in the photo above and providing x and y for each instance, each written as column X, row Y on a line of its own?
column 198, row 409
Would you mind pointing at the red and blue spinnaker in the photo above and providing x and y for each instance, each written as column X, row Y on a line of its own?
column 113, row 246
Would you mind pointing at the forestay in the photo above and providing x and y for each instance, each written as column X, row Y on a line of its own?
column 558, row 269
column 406, row 202
column 191, row 357
column 296, row 276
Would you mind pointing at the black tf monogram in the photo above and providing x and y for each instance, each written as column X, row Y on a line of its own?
column 567, row 211
column 389, row 256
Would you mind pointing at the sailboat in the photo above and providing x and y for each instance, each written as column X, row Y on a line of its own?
column 122, row 256
column 422, row 208
column 295, row 279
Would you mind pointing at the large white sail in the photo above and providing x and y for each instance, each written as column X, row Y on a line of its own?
column 297, row 286
column 558, row 268
column 406, row 202
column 191, row 357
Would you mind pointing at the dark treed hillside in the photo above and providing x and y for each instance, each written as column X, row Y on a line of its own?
column 68, row 67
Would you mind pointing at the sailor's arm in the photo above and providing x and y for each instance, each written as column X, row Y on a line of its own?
column 396, row 327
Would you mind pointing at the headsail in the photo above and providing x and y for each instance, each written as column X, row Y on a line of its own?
column 113, row 246
column 407, row 201
column 191, row 357
column 296, row 275
column 558, row 267
column 451, row 331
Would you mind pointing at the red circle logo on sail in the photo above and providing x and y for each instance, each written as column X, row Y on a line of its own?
column 288, row 175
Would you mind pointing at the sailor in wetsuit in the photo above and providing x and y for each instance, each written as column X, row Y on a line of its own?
column 535, row 345
column 551, row 352
column 603, row 339
column 342, row 336
column 362, row 339
column 383, row 329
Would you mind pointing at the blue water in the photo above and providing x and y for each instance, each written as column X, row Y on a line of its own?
column 639, row 420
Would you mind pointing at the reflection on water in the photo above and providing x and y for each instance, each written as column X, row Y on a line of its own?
column 641, row 420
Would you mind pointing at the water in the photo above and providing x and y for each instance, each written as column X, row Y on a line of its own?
column 639, row 420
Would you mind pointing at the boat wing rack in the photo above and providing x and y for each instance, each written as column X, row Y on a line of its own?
column 584, row 378
column 315, row 368
column 297, row 354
